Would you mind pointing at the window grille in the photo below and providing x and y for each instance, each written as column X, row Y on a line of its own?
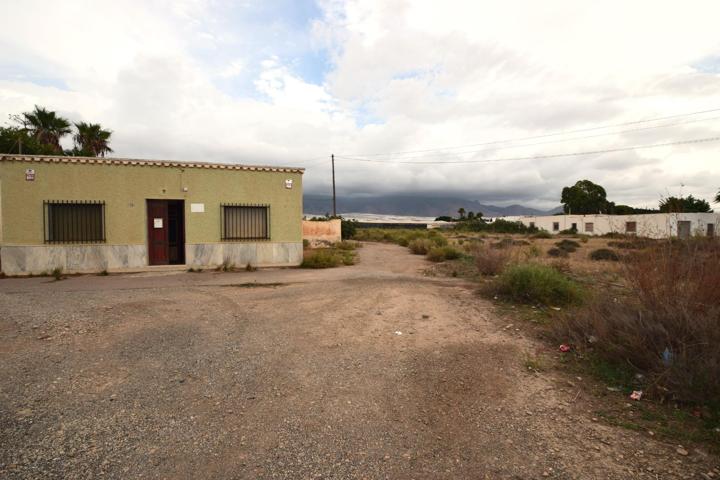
column 69, row 221
column 589, row 227
column 630, row 227
column 245, row 222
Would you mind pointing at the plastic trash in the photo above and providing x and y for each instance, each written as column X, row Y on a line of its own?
column 564, row 348
column 636, row 395
column 667, row 357
column 398, row 332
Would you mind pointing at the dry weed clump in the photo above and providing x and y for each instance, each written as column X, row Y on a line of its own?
column 491, row 261
column 668, row 328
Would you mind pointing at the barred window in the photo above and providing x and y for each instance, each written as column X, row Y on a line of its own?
column 556, row 226
column 245, row 222
column 630, row 227
column 74, row 221
column 589, row 227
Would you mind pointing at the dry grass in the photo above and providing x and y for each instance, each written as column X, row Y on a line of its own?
column 668, row 326
column 490, row 261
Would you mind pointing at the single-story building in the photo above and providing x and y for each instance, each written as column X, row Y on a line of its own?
column 652, row 225
column 84, row 214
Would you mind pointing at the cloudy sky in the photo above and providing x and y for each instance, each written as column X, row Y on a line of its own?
column 445, row 84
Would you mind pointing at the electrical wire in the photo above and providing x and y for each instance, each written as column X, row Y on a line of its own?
column 535, row 157
column 567, row 132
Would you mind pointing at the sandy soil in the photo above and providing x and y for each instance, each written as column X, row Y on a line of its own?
column 372, row 371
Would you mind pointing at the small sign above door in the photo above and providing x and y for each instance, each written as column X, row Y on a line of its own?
column 288, row 183
column 197, row 207
column 30, row 174
column 157, row 223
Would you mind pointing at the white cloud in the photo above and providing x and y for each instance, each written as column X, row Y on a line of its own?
column 403, row 76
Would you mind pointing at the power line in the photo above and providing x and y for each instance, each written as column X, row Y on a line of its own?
column 537, row 157
column 563, row 140
column 567, row 132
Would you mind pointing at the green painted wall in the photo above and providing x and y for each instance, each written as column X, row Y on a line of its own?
column 126, row 188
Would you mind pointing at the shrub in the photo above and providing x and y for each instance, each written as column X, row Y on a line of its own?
column 420, row 246
column 347, row 245
column 535, row 283
column 440, row 254
column 306, row 243
column 503, row 243
column 634, row 244
column 604, row 254
column 567, row 245
column 324, row 258
column 556, row 252
column 667, row 327
column 491, row 261
column 542, row 234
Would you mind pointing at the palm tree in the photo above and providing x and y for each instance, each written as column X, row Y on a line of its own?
column 92, row 140
column 461, row 212
column 717, row 197
column 46, row 127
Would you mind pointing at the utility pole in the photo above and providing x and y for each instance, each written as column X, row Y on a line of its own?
column 332, row 158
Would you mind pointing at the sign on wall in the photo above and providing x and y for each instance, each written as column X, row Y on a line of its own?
column 288, row 183
column 157, row 223
column 197, row 207
column 30, row 175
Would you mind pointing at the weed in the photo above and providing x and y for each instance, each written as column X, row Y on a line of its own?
column 556, row 252
column 542, row 234
column 57, row 273
column 535, row 283
column 321, row 259
column 104, row 273
column 567, row 245
column 490, row 261
column 347, row 245
column 667, row 328
column 306, row 243
column 604, row 254
column 440, row 254
column 250, row 267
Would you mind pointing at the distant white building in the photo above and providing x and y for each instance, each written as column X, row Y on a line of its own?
column 652, row 225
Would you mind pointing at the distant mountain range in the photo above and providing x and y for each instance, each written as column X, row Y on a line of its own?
column 421, row 206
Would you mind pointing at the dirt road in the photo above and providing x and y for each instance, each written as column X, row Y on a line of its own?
column 372, row 371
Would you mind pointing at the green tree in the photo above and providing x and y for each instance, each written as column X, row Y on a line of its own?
column 687, row 204
column 461, row 212
column 585, row 197
column 17, row 140
column 45, row 126
column 91, row 140
column 717, row 197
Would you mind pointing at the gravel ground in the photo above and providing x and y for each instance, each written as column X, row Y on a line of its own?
column 372, row 371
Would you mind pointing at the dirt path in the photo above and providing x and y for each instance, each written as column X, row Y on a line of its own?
column 372, row 371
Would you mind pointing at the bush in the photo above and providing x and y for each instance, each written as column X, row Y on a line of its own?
column 667, row 327
column 491, row 261
column 634, row 244
column 556, row 252
column 327, row 258
column 504, row 243
column 567, row 245
column 535, row 283
column 604, row 254
column 542, row 234
column 347, row 245
column 440, row 254
column 420, row 246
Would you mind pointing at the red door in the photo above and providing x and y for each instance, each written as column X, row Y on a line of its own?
column 157, row 215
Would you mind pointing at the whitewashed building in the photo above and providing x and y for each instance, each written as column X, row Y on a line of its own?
column 652, row 225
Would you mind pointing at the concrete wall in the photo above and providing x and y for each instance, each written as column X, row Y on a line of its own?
column 125, row 189
column 329, row 231
column 655, row 225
